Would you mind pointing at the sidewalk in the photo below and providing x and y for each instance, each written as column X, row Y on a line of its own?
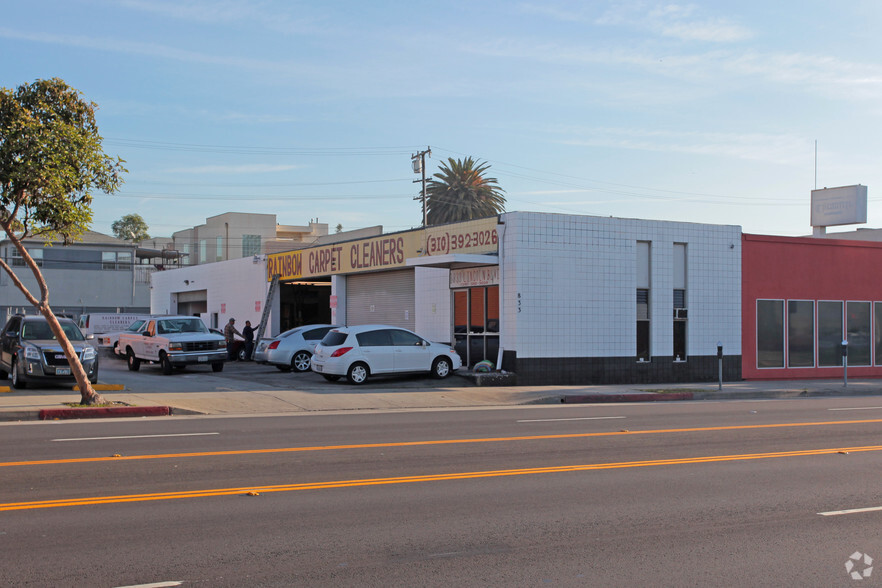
column 43, row 404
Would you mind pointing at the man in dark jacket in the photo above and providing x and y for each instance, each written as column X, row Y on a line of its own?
column 248, row 335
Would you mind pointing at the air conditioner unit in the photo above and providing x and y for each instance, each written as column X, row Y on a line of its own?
column 680, row 313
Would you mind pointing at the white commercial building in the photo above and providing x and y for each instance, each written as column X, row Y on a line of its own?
column 552, row 298
column 568, row 299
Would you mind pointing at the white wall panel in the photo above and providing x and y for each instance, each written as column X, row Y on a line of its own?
column 571, row 281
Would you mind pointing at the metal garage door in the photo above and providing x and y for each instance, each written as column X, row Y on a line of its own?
column 384, row 297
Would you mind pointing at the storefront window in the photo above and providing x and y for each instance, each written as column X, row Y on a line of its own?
column 858, row 332
column 493, row 309
column 800, row 333
column 877, row 311
column 476, row 310
column 680, row 315
column 460, row 312
column 476, row 324
column 643, row 351
column 770, row 333
column 829, row 334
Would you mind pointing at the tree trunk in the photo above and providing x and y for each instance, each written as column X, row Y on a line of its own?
column 87, row 393
column 88, row 396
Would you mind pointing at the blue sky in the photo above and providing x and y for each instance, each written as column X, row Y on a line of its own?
column 694, row 111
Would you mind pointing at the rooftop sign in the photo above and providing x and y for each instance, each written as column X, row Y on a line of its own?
column 839, row 206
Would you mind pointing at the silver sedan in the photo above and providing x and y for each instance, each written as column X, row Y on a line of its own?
column 292, row 349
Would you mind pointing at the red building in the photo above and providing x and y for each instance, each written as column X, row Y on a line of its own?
column 801, row 297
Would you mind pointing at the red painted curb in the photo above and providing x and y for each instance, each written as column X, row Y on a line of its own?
column 599, row 398
column 48, row 414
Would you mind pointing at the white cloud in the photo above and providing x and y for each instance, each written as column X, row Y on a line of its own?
column 554, row 12
column 769, row 148
column 230, row 12
column 680, row 21
column 258, row 168
column 716, row 70
column 134, row 47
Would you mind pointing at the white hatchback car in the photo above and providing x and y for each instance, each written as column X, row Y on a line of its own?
column 367, row 350
column 292, row 349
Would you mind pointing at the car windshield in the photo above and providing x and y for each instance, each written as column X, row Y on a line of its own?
column 135, row 325
column 40, row 330
column 181, row 325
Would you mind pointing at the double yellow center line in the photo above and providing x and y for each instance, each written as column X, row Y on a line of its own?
column 426, row 478
column 256, row 490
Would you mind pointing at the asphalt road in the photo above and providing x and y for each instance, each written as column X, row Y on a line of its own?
column 710, row 494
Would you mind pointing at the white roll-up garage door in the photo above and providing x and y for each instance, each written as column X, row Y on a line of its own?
column 381, row 298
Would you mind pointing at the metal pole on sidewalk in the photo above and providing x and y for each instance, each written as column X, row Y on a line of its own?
column 844, row 363
column 720, row 362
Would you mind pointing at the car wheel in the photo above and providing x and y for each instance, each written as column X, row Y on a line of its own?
column 18, row 381
column 441, row 368
column 94, row 378
column 358, row 373
column 166, row 365
column 300, row 361
column 133, row 362
column 218, row 366
column 242, row 354
column 330, row 377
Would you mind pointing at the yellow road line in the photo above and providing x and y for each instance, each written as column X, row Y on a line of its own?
column 424, row 443
column 413, row 479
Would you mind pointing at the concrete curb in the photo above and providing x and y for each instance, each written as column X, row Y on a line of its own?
column 636, row 397
column 48, row 414
column 19, row 415
column 778, row 394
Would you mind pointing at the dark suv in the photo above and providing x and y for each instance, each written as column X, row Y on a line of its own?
column 30, row 352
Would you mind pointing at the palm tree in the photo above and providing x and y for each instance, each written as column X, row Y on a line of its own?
column 460, row 192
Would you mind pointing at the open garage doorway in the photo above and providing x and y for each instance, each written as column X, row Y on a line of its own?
column 304, row 303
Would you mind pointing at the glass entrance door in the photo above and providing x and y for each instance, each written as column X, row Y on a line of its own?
column 476, row 324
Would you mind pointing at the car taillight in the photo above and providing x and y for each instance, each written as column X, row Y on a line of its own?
column 341, row 351
column 274, row 345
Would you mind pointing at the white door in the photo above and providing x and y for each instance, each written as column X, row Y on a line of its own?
column 377, row 350
column 411, row 355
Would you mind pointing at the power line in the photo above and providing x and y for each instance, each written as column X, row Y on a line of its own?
column 255, row 185
column 614, row 188
column 261, row 150
column 273, row 198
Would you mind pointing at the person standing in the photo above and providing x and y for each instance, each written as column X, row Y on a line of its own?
column 248, row 335
column 230, row 331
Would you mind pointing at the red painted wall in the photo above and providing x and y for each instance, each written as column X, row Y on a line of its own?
column 804, row 268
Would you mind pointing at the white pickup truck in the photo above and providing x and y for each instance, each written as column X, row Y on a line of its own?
column 173, row 342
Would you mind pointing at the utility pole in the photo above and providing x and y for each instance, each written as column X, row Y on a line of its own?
column 418, row 161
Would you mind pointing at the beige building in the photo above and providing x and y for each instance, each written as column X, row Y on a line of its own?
column 234, row 235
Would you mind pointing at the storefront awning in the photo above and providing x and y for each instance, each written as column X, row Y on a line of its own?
column 453, row 260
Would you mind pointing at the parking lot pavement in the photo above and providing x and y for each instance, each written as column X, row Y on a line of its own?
column 251, row 388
